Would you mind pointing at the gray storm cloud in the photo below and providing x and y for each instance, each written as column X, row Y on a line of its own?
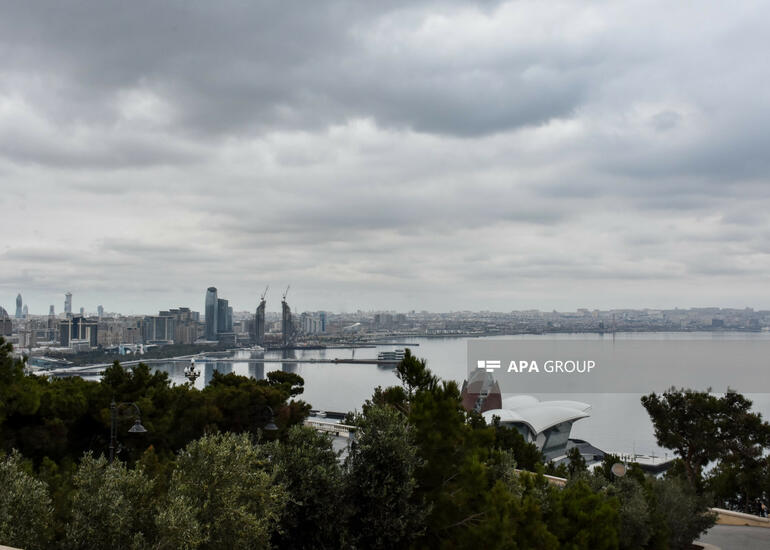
column 406, row 155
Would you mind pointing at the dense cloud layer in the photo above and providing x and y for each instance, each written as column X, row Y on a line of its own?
column 438, row 155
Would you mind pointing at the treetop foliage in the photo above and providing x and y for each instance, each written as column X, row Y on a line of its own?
column 419, row 472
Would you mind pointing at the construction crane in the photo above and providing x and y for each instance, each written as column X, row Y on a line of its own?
column 285, row 293
column 264, row 293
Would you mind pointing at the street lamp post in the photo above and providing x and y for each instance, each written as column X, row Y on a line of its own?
column 267, row 416
column 190, row 372
column 135, row 429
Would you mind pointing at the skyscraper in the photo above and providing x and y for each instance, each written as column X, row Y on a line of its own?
column 287, row 325
column 6, row 325
column 222, row 309
column 259, row 323
column 25, row 311
column 19, row 312
column 68, row 304
column 211, row 313
column 100, row 311
column 52, row 325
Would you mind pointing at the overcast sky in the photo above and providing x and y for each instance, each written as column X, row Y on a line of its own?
column 385, row 155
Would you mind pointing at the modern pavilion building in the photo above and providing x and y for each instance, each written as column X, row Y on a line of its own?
column 547, row 424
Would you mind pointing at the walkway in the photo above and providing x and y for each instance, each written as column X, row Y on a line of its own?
column 738, row 537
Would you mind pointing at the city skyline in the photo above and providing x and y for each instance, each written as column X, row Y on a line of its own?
column 262, row 302
column 438, row 156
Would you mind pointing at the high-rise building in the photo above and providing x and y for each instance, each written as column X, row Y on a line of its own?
column 68, row 304
column 259, row 323
column 82, row 312
column 52, row 325
column 222, row 310
column 158, row 329
column 185, row 324
column 78, row 330
column 6, row 325
column 100, row 311
column 211, row 314
column 287, row 325
column 19, row 313
column 25, row 311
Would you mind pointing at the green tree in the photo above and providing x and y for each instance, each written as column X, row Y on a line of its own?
column 221, row 496
column 453, row 477
column 742, row 473
column 740, row 481
column 583, row 519
column 528, row 456
column 634, row 510
column 506, row 519
column 19, row 394
column 685, row 422
column 577, row 463
column 291, row 383
column 307, row 466
column 381, row 465
column 679, row 514
column 112, row 507
column 701, row 427
column 25, row 506
column 414, row 375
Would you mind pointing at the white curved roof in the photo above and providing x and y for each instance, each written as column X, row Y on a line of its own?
column 538, row 415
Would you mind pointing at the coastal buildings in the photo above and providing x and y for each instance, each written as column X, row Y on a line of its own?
column 158, row 329
column 68, row 303
column 289, row 328
column 287, row 324
column 211, row 314
column 259, row 323
column 78, row 333
column 224, row 316
column 6, row 325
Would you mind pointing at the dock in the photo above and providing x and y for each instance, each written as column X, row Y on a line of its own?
column 96, row 369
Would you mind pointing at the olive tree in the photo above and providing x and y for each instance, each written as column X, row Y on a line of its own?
column 112, row 506
column 221, row 496
column 25, row 506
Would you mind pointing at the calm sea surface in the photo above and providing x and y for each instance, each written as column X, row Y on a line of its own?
column 618, row 422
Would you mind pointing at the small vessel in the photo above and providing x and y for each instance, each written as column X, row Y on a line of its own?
column 396, row 355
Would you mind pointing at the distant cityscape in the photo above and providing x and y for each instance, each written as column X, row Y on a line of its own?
column 111, row 332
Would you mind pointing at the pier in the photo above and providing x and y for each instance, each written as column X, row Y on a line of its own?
column 96, row 369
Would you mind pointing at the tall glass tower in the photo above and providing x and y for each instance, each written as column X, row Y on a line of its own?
column 211, row 313
column 68, row 303
column 19, row 311
column 287, row 324
column 222, row 309
column 259, row 323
